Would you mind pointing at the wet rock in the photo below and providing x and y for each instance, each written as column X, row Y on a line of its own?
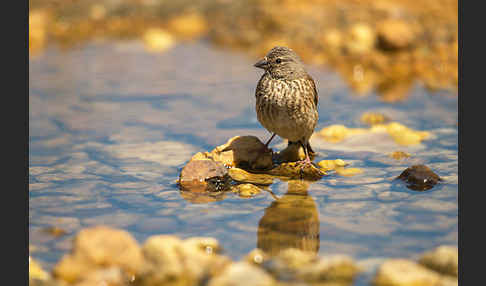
column 204, row 176
column 419, row 178
column 372, row 118
column 171, row 261
column 99, row 247
column 328, row 165
column 158, row 40
column 246, row 152
column 402, row 272
column 444, row 259
column 398, row 155
column 348, row 172
column 395, row 34
column 247, row 190
column 293, row 152
column 242, row 273
column 401, row 134
column 339, row 269
column 36, row 272
column 337, row 133
column 241, row 175
column 293, row 170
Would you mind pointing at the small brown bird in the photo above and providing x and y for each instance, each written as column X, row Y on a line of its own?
column 286, row 98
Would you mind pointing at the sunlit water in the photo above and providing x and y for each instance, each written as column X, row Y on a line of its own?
column 110, row 127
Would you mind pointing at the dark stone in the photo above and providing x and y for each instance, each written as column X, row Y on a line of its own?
column 419, row 178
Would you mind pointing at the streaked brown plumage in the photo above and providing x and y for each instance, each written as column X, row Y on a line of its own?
column 286, row 98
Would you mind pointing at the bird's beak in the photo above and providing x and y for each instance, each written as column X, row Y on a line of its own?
column 262, row 63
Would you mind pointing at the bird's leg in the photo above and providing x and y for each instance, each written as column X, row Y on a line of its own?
column 268, row 142
column 265, row 147
column 307, row 161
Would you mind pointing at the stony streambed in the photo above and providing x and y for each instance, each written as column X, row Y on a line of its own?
column 107, row 256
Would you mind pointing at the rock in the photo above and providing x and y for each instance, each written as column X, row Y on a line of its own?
column 444, row 259
column 99, row 247
column 402, row 272
column 246, row 152
column 293, row 152
column 419, row 178
column 242, row 274
column 361, row 39
column 241, row 175
column 158, row 40
column 398, row 155
column 371, row 118
column 171, row 261
column 293, row 170
column 328, row 165
column 401, row 134
column 337, row 133
column 336, row 269
column 247, row 190
column 36, row 272
column 348, row 172
column 112, row 276
column 204, row 176
column 395, row 34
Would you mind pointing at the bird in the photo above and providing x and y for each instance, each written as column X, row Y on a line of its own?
column 287, row 99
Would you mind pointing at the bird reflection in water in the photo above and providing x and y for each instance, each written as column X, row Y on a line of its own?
column 291, row 221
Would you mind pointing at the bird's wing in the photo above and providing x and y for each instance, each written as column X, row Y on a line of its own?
column 316, row 96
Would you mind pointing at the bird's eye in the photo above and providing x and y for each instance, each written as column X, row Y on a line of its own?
column 278, row 61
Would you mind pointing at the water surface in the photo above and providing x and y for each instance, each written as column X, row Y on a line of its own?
column 110, row 127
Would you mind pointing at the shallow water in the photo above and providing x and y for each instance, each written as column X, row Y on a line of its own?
column 110, row 127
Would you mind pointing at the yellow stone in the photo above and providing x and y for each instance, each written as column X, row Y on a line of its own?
column 247, row 190
column 347, row 172
column 36, row 271
column 397, row 155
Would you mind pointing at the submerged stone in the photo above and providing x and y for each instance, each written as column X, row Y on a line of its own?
column 247, row 190
column 294, row 170
column 241, row 175
column 398, row 155
column 419, row 178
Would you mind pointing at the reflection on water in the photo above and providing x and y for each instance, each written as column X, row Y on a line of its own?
column 110, row 127
column 291, row 221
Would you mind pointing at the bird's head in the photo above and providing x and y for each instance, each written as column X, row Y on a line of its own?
column 282, row 62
